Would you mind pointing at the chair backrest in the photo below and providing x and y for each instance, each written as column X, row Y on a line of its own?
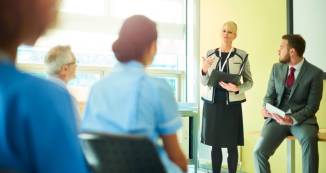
column 107, row 153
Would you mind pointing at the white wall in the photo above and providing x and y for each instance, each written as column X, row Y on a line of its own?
column 309, row 20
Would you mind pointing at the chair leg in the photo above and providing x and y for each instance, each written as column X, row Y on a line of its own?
column 290, row 156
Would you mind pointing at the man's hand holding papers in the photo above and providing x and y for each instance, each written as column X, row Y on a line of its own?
column 278, row 115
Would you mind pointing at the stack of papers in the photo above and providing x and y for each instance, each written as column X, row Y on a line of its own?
column 272, row 109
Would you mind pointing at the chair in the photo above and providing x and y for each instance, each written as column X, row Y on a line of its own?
column 108, row 153
column 7, row 171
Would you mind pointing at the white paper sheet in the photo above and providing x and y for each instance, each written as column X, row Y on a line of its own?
column 272, row 109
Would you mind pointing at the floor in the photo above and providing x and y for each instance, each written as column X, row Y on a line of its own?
column 191, row 170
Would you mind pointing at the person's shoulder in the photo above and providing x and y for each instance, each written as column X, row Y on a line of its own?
column 210, row 52
column 34, row 96
column 160, row 84
column 37, row 87
column 313, row 67
column 114, row 79
column 102, row 82
column 241, row 53
column 279, row 65
column 118, row 79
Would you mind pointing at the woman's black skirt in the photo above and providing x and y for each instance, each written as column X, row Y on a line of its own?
column 222, row 124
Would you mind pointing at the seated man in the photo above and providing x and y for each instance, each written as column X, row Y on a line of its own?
column 295, row 86
column 61, row 67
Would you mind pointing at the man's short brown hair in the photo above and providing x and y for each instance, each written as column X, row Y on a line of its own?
column 297, row 42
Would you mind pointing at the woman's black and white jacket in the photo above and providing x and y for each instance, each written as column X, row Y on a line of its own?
column 237, row 64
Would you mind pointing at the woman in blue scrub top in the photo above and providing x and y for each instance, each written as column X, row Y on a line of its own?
column 129, row 101
column 38, row 130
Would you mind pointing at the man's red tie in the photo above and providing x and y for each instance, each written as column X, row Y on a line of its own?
column 290, row 79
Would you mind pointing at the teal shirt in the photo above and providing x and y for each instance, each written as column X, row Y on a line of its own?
column 37, row 125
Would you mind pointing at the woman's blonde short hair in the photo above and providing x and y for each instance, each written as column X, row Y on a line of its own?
column 232, row 26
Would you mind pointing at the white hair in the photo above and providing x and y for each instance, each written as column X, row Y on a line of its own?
column 57, row 57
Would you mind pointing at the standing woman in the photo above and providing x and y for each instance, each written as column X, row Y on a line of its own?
column 222, row 125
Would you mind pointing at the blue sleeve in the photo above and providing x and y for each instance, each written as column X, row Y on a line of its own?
column 169, row 120
column 52, row 133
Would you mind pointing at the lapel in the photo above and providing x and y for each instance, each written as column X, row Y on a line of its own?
column 283, row 73
column 297, row 80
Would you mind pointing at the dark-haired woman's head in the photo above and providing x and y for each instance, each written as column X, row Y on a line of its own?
column 23, row 21
column 137, row 40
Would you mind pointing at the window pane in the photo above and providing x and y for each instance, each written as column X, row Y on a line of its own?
column 170, row 55
column 86, row 7
column 84, row 79
column 167, row 11
column 91, row 26
column 31, row 55
column 91, row 49
column 91, row 37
